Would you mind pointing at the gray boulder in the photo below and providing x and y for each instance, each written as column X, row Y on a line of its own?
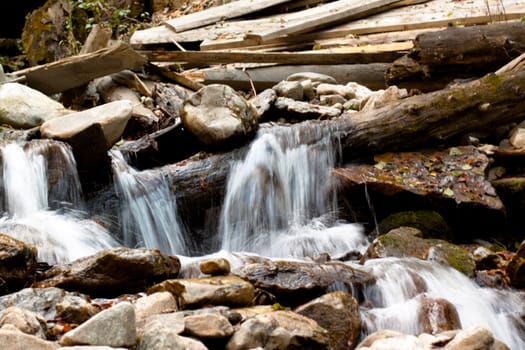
column 25, row 108
column 216, row 114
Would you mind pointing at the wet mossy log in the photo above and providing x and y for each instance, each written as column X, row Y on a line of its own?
column 457, row 53
column 438, row 117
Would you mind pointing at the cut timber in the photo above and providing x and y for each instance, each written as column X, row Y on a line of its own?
column 220, row 13
column 78, row 70
column 417, row 121
column 432, row 14
column 436, row 13
column 325, row 15
column 371, row 75
column 462, row 52
column 369, row 54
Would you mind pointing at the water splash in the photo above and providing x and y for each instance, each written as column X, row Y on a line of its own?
column 60, row 235
column 280, row 198
column 401, row 282
column 149, row 212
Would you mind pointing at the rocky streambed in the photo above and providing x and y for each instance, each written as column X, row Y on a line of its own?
column 354, row 248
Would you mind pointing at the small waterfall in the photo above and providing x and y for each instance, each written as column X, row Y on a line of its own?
column 149, row 211
column 401, row 282
column 279, row 199
column 35, row 174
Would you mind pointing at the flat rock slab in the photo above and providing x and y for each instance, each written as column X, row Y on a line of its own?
column 457, row 174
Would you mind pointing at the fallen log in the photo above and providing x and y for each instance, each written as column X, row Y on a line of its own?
column 371, row 75
column 457, row 53
column 422, row 120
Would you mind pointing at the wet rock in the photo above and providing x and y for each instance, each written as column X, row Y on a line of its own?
column 218, row 290
column 25, row 108
column 14, row 339
column 492, row 279
column 477, row 338
column 214, row 267
column 142, row 121
column 162, row 332
column 315, row 78
column 101, row 274
column 291, row 89
column 169, row 98
column 430, row 223
column 112, row 327
column 154, row 304
column 407, row 241
column 207, row 326
column 517, row 136
column 330, row 100
column 279, row 330
column 516, row 268
column 338, row 313
column 170, row 322
column 384, row 97
column 308, row 89
column 216, row 114
column 456, row 174
column 437, row 315
column 263, row 102
column 42, row 301
column 335, row 89
column 304, row 110
column 361, row 92
column 24, row 320
column 17, row 263
column 391, row 340
column 111, row 117
column 295, row 282
column 452, row 182
column 75, row 309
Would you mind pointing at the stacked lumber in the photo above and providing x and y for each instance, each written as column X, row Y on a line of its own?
column 251, row 43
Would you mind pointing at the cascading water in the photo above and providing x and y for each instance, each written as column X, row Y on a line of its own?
column 279, row 204
column 279, row 199
column 395, row 295
column 149, row 210
column 60, row 235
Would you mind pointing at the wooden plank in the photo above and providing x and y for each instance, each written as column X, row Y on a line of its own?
column 351, row 55
column 323, row 16
column 78, row 70
column 220, row 13
column 432, row 14
column 437, row 13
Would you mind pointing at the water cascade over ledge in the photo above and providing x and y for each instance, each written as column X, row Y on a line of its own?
column 43, row 202
column 280, row 200
column 148, row 210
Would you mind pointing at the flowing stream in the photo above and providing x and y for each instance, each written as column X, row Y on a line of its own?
column 148, row 210
column 279, row 203
column 62, row 234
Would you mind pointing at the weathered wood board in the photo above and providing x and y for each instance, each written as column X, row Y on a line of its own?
column 78, row 70
column 219, row 13
column 323, row 16
column 433, row 14
column 355, row 55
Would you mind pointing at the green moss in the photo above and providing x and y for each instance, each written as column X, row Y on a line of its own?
column 430, row 223
column 510, row 185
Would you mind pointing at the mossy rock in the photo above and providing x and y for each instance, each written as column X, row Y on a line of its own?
column 45, row 37
column 408, row 242
column 430, row 223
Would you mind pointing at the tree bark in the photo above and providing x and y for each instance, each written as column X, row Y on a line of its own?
column 423, row 120
column 457, row 53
